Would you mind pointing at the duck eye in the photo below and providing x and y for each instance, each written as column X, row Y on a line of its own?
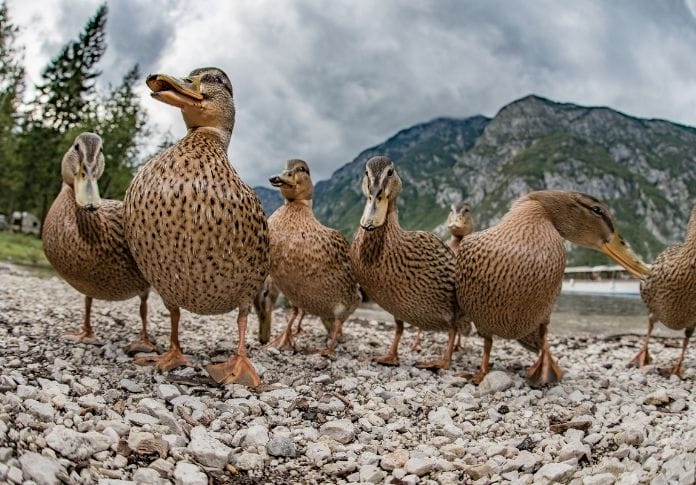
column 597, row 210
column 390, row 172
column 366, row 174
column 77, row 148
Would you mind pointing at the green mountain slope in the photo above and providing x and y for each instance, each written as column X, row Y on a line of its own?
column 645, row 170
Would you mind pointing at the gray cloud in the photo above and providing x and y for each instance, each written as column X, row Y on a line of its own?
column 324, row 80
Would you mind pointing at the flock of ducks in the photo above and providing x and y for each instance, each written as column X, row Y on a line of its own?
column 192, row 230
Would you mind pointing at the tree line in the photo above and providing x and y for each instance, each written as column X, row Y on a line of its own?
column 37, row 128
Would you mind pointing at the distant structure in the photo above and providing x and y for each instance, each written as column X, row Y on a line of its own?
column 26, row 223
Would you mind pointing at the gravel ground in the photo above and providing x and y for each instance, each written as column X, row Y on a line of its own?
column 83, row 414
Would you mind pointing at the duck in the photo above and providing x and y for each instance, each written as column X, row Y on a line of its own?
column 509, row 276
column 83, row 239
column 196, row 230
column 669, row 292
column 410, row 274
column 310, row 262
column 460, row 223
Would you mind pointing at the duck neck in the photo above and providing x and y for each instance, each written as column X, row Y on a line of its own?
column 220, row 135
column 454, row 241
column 299, row 203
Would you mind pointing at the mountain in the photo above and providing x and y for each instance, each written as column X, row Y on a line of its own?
column 270, row 199
column 643, row 169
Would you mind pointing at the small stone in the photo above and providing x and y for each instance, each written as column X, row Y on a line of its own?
column 256, row 435
column 27, row 392
column 495, row 381
column 162, row 466
column 74, row 445
column 53, row 388
column 41, row 469
column 141, row 419
column 440, row 417
column 90, row 401
column 41, row 410
column 168, row 391
column 189, row 474
column 15, row 475
column 372, row 474
column 146, row 476
column 339, row 468
column 318, row 452
column 600, row 479
column 130, row 386
column 554, row 472
column 281, row 446
column 632, row 435
column 575, row 450
column 657, row 398
column 418, row 466
column 207, row 450
column 249, row 461
column 395, row 459
column 479, row 471
column 341, row 430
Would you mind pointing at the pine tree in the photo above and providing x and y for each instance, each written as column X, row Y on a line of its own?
column 11, row 90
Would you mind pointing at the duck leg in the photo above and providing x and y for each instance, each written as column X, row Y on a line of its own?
column 264, row 314
column 284, row 340
column 485, row 359
column 416, row 345
column 545, row 370
column 299, row 322
column 237, row 369
column 336, row 331
column 643, row 357
column 144, row 344
column 392, row 357
column 87, row 334
column 173, row 357
column 458, row 344
column 677, row 369
column 444, row 361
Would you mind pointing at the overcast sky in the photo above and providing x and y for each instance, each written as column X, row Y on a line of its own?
column 324, row 80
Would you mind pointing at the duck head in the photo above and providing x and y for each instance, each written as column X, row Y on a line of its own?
column 81, row 168
column 294, row 182
column 204, row 98
column 587, row 222
column 381, row 186
column 459, row 220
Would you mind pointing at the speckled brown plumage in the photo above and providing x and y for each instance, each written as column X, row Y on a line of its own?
column 309, row 262
column 196, row 230
column 669, row 292
column 509, row 276
column 264, row 302
column 408, row 273
column 86, row 245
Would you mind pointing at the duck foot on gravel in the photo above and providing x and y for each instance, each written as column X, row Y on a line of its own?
column 237, row 370
column 171, row 359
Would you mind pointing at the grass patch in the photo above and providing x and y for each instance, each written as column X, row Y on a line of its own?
column 22, row 249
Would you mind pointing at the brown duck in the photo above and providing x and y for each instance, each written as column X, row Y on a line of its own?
column 669, row 292
column 264, row 302
column 509, row 276
column 459, row 224
column 408, row 273
column 196, row 230
column 310, row 263
column 83, row 239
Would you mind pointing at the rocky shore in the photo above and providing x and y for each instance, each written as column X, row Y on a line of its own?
column 79, row 413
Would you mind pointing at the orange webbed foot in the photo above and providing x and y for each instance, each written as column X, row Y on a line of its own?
column 282, row 342
column 83, row 336
column 236, row 370
column 165, row 362
column 389, row 359
column 641, row 359
column 140, row 346
column 545, row 370
column 434, row 364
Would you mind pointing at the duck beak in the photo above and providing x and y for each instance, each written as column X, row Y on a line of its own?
column 619, row 251
column 86, row 188
column 375, row 212
column 174, row 91
column 284, row 179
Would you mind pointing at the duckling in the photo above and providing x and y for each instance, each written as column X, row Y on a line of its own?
column 196, row 230
column 84, row 242
column 460, row 224
column 310, row 263
column 669, row 292
column 509, row 276
column 408, row 273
